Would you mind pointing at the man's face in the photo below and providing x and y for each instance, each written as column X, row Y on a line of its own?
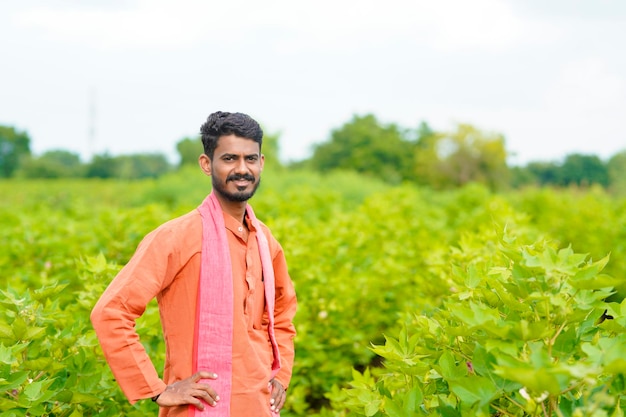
column 236, row 168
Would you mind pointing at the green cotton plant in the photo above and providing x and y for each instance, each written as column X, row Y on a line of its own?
column 362, row 255
column 345, row 300
column 50, row 361
column 594, row 221
column 526, row 331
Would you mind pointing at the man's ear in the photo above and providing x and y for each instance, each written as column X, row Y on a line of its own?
column 205, row 164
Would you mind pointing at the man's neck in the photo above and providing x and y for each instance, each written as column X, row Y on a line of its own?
column 236, row 209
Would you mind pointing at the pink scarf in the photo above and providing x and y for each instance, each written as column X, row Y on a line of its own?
column 213, row 347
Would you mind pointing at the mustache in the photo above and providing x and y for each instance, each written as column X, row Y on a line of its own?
column 237, row 177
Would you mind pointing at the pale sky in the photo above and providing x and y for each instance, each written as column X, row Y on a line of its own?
column 550, row 75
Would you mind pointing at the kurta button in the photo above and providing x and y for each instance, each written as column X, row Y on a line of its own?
column 240, row 229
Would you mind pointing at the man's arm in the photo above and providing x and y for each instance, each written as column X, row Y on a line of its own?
column 159, row 259
column 284, row 312
column 114, row 315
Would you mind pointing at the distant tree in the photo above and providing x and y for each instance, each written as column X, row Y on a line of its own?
column 189, row 149
column 457, row 158
column 14, row 146
column 426, row 158
column 102, row 166
column 545, row 173
column 583, row 170
column 133, row 166
column 271, row 150
column 423, row 132
column 366, row 146
column 521, row 176
column 616, row 168
column 144, row 165
column 52, row 164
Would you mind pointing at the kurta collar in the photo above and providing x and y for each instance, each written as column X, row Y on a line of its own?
column 237, row 228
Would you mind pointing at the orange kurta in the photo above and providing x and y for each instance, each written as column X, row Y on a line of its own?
column 166, row 265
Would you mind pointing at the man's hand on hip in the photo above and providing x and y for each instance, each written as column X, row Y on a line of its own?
column 189, row 391
column 277, row 400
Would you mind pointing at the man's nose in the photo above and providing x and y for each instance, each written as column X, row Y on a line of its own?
column 241, row 166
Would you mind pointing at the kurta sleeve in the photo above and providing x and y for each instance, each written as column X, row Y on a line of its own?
column 152, row 268
column 284, row 313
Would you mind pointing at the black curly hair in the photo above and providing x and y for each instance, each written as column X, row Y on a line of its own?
column 223, row 123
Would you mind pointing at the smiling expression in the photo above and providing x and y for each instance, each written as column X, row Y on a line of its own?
column 235, row 168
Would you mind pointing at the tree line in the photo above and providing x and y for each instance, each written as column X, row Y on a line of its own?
column 421, row 155
column 454, row 158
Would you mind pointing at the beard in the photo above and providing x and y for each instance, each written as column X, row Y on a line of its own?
column 239, row 196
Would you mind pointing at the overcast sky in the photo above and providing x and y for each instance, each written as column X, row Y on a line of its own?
column 137, row 76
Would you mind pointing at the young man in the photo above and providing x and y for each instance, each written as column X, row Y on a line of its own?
column 225, row 297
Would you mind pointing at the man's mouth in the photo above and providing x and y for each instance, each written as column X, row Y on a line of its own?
column 241, row 180
column 242, row 183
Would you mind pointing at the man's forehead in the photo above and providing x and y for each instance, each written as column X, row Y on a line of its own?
column 233, row 141
column 237, row 146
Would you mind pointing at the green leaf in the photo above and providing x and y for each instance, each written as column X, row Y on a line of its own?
column 525, row 331
column 14, row 412
column 618, row 409
column 536, row 380
column 97, row 264
column 64, row 396
column 413, row 400
column 6, row 355
column 33, row 333
column 37, row 410
column 612, row 353
column 589, row 271
column 14, row 381
column 48, row 291
column 76, row 413
column 449, row 369
column 393, row 409
column 33, row 390
column 7, row 404
column 596, row 282
column 5, row 331
column 372, row 405
column 19, row 328
column 473, row 278
column 474, row 389
column 44, row 363
column 478, row 314
column 80, row 398
column 10, row 301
